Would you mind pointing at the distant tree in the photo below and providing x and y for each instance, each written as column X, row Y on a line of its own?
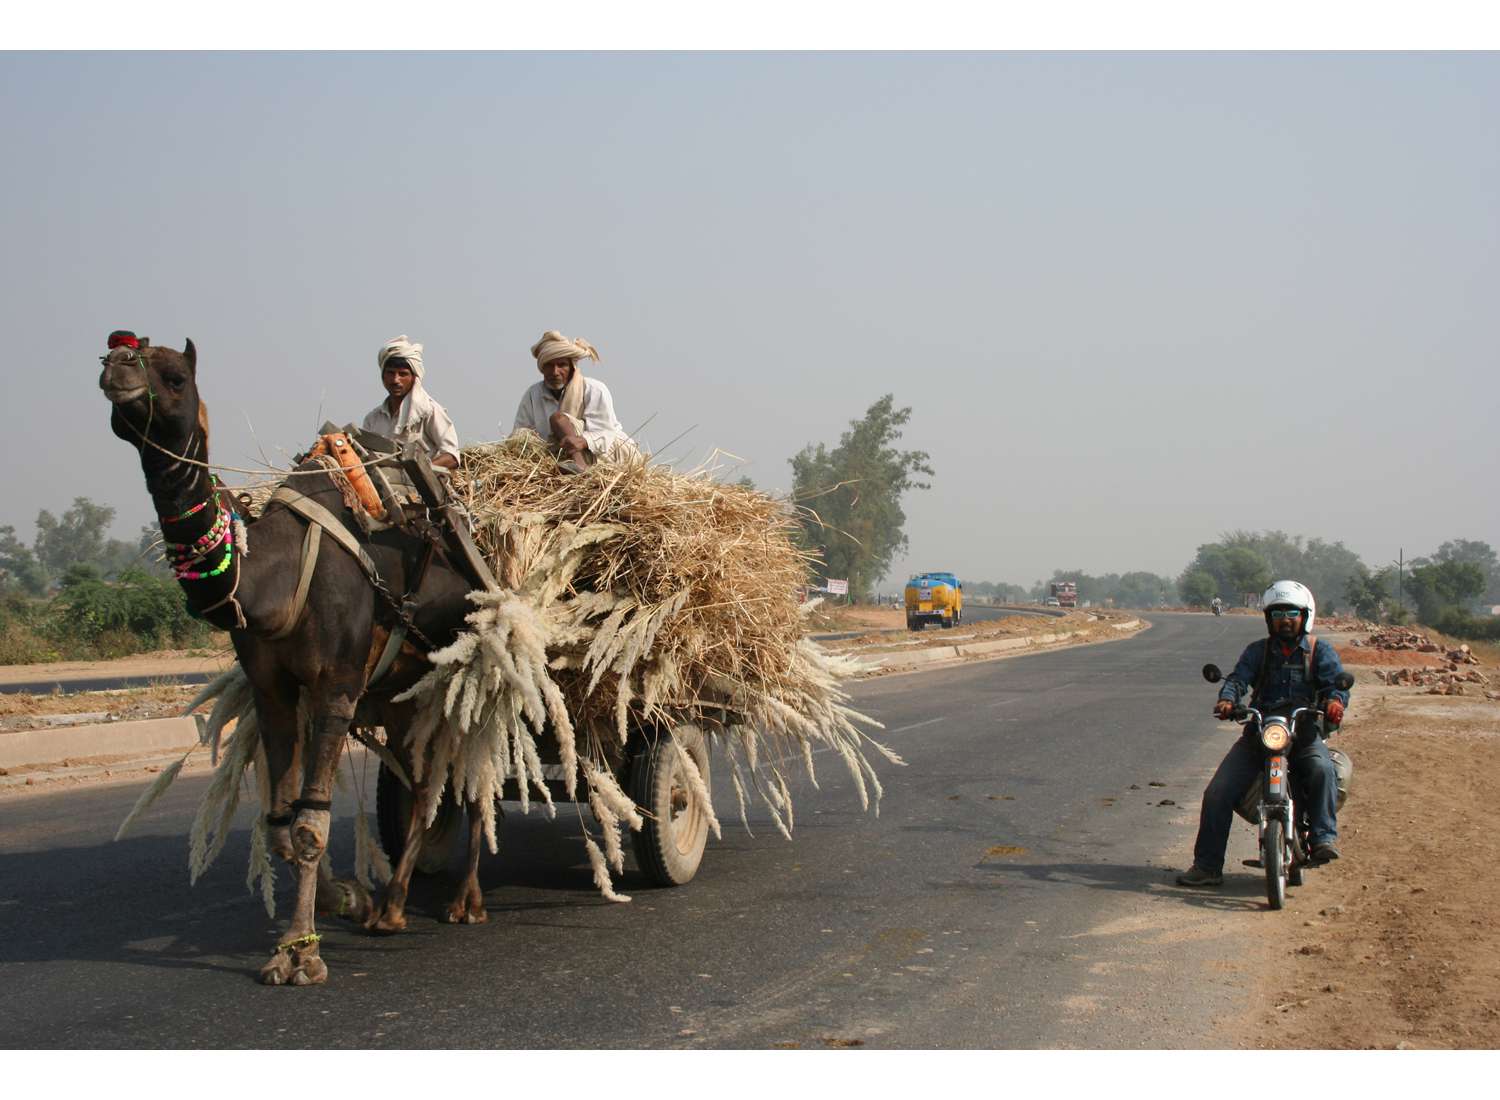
column 1236, row 568
column 78, row 536
column 1476, row 553
column 1445, row 586
column 744, row 482
column 19, row 569
column 999, row 590
column 1142, row 589
column 855, row 491
column 1198, row 588
column 1322, row 566
column 1372, row 595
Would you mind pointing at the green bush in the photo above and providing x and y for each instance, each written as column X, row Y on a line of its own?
column 1461, row 624
column 106, row 616
column 23, row 640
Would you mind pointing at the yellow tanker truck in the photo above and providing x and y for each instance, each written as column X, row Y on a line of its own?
column 934, row 598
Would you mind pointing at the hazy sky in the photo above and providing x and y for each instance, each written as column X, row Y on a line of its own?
column 1133, row 300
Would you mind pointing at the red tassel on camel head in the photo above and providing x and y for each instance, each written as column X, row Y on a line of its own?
column 123, row 338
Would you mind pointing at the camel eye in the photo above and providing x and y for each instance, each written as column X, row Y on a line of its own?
column 175, row 381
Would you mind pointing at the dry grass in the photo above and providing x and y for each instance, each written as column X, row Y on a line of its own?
column 698, row 575
column 633, row 597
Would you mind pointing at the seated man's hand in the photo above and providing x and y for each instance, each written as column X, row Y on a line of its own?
column 1223, row 709
column 1335, row 711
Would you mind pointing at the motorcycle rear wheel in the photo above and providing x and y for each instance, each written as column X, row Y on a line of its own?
column 1273, row 858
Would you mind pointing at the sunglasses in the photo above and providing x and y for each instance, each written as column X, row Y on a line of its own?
column 1285, row 612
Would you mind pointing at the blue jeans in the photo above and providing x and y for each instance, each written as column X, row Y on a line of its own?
column 1315, row 790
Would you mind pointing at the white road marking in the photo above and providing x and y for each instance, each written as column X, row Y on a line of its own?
column 916, row 725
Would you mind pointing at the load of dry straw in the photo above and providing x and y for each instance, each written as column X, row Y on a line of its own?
column 631, row 596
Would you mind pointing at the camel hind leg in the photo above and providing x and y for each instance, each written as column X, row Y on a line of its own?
column 467, row 907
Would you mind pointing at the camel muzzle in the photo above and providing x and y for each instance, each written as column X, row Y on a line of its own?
column 122, row 379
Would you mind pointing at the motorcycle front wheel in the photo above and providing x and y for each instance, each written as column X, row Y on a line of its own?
column 1273, row 859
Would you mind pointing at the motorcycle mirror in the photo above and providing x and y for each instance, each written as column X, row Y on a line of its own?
column 1343, row 681
column 1212, row 674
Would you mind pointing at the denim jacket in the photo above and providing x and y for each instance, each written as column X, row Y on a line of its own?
column 1286, row 677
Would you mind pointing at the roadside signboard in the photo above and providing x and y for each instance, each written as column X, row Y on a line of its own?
column 838, row 588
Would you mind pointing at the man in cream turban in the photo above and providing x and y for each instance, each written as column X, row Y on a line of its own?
column 409, row 414
column 576, row 415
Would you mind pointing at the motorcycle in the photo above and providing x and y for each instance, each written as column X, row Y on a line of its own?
column 1218, row 609
column 1285, row 851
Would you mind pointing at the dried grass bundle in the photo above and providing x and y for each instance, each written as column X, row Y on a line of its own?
column 633, row 596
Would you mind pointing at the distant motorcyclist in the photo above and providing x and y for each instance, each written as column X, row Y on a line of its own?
column 1217, row 606
column 1289, row 668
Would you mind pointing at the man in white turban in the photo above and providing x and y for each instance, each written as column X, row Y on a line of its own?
column 409, row 413
column 576, row 415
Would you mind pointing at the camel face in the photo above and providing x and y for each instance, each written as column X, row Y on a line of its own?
column 153, row 390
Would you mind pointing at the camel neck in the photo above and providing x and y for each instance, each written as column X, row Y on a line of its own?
column 177, row 479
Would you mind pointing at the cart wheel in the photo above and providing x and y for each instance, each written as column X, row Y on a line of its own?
column 669, row 846
column 393, row 811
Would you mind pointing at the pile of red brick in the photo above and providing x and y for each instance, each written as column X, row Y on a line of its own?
column 1397, row 637
column 1449, row 680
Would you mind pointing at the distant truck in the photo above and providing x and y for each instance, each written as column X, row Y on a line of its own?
column 1064, row 594
column 934, row 598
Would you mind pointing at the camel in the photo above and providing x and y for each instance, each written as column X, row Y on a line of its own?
column 328, row 653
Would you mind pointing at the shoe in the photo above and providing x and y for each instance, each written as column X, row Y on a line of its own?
column 1197, row 876
column 1324, row 852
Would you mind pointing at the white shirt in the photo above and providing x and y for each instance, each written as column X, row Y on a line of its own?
column 418, row 418
column 602, row 430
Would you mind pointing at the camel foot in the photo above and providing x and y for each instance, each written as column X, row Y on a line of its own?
column 343, row 897
column 467, row 908
column 295, row 963
column 387, row 920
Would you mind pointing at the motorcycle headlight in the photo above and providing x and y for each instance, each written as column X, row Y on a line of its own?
column 1275, row 736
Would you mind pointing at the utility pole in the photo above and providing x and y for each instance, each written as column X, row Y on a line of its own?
column 1400, row 564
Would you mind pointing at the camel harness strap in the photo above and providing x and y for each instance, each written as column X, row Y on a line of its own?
column 319, row 517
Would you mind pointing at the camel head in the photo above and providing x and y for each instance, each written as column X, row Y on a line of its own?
column 153, row 394
column 154, row 391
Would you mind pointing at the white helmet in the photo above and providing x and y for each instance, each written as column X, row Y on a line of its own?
column 1291, row 594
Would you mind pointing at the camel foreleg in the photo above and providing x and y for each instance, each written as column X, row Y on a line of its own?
column 297, row 960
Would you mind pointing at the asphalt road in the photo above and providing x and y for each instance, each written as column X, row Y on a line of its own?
column 1013, row 892
column 103, row 683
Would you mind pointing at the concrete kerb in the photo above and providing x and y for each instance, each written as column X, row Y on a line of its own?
column 53, row 746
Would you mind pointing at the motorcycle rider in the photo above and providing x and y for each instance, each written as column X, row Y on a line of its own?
column 1289, row 668
column 1217, row 606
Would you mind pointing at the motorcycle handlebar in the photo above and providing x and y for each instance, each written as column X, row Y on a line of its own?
column 1241, row 712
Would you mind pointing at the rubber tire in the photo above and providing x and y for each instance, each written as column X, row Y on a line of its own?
column 1273, row 858
column 393, row 811
column 669, row 847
